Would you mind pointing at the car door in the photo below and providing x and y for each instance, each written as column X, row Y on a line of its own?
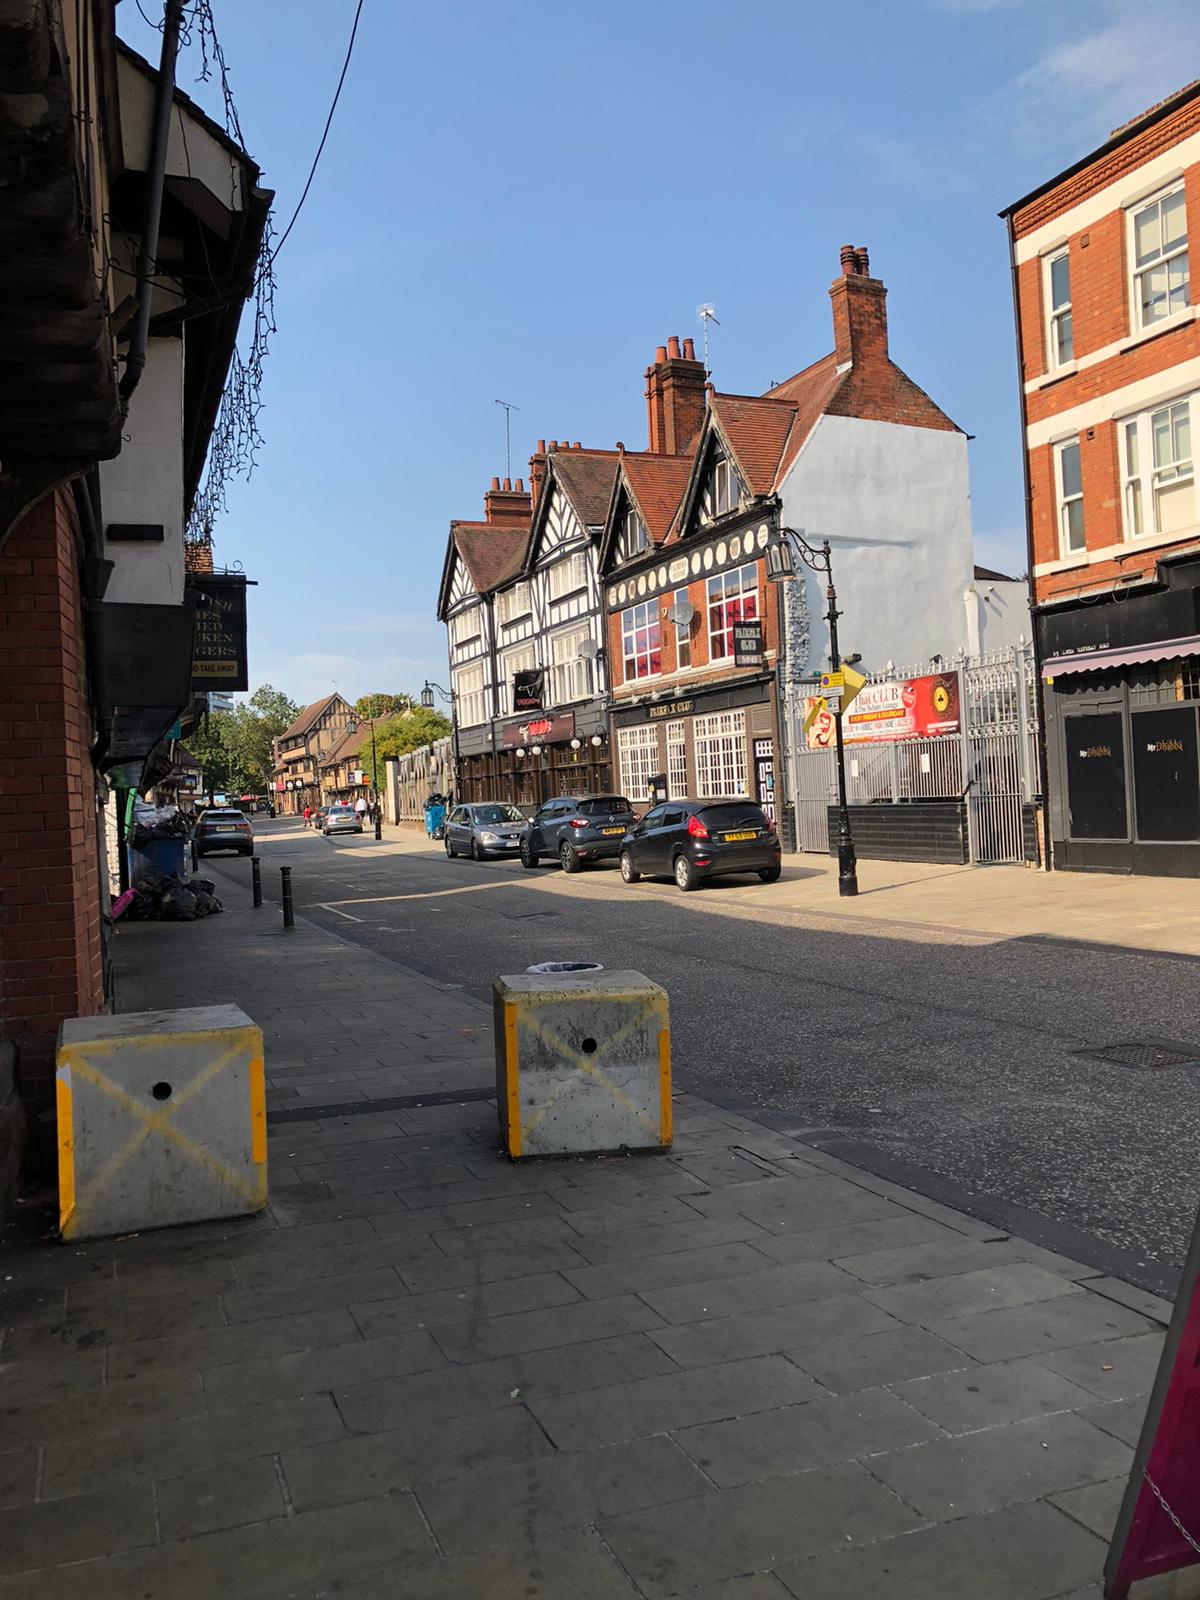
column 457, row 830
column 552, row 816
column 643, row 840
column 666, row 821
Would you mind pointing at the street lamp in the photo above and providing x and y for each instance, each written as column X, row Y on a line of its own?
column 448, row 696
column 352, row 728
column 818, row 559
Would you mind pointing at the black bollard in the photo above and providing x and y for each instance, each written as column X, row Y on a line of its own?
column 256, row 880
column 195, row 858
column 378, row 820
column 289, row 915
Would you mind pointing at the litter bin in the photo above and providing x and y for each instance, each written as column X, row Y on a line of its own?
column 583, row 1061
column 160, row 858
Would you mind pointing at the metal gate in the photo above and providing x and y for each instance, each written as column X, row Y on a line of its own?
column 991, row 761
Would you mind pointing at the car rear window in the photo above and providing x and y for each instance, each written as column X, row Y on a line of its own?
column 603, row 805
column 734, row 815
column 222, row 816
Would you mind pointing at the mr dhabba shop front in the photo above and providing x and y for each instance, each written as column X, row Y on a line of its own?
column 1121, row 681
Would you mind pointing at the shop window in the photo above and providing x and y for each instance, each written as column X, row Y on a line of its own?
column 732, row 597
column 637, row 750
column 641, row 641
column 719, row 742
column 1095, row 761
column 1165, row 683
column 1166, row 774
column 677, row 771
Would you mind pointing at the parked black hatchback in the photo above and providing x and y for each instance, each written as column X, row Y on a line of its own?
column 577, row 829
column 697, row 839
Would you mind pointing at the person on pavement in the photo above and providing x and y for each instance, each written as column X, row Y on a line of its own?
column 307, row 815
column 360, row 806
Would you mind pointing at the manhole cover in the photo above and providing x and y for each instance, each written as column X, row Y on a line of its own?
column 1144, row 1055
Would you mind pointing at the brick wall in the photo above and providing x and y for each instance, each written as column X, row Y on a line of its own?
column 50, row 937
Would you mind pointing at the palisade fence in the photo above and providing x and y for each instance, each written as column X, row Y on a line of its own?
column 991, row 762
column 412, row 778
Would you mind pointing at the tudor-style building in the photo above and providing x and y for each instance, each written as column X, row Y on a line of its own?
column 708, row 658
column 521, row 601
column 296, row 775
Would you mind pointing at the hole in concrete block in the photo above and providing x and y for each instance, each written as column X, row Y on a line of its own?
column 589, row 1047
column 161, row 1091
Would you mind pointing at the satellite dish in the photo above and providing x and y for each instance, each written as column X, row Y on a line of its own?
column 682, row 613
column 589, row 649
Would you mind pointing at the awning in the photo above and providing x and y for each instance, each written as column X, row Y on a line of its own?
column 1130, row 656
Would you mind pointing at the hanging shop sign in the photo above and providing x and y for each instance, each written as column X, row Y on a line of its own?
column 527, row 689
column 545, row 730
column 219, row 645
column 747, row 644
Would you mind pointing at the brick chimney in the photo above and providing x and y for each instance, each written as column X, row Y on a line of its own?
column 675, row 397
column 506, row 503
column 537, row 473
column 859, row 311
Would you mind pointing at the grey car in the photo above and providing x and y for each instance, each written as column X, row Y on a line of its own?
column 341, row 819
column 489, row 828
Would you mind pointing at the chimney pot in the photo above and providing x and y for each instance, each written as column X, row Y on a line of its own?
column 520, row 486
column 849, row 261
column 864, row 261
column 620, row 447
column 541, row 449
column 689, row 350
column 495, row 483
column 660, row 355
column 577, row 445
column 673, row 347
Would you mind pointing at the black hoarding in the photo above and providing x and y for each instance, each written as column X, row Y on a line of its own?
column 1096, row 776
column 219, row 652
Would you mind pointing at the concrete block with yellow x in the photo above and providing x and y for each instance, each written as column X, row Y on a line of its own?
column 161, row 1120
column 583, row 1063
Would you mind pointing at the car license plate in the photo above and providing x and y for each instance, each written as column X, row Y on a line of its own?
column 733, row 838
column 607, row 831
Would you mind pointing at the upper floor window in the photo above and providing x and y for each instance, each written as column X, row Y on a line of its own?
column 569, row 575
column 683, row 630
column 523, row 659
column 470, row 701
column 726, row 488
column 732, row 597
column 1158, row 471
column 633, row 535
column 1060, row 340
column 466, row 626
column 1158, row 251
column 641, row 642
column 515, row 603
column 570, row 669
column 1069, row 486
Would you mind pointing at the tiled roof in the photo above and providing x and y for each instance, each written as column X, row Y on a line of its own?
column 757, row 430
column 657, row 484
column 990, row 576
column 493, row 555
column 587, row 479
column 308, row 716
column 348, row 745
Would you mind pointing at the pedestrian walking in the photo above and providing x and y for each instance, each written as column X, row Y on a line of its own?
column 360, row 806
column 307, row 815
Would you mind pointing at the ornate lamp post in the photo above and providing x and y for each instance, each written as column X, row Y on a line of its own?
column 448, row 696
column 352, row 727
column 817, row 559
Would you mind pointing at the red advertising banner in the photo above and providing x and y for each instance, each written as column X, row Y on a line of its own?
column 901, row 708
column 1159, row 1524
column 546, row 730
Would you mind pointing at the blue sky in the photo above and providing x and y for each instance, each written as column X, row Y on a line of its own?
column 521, row 201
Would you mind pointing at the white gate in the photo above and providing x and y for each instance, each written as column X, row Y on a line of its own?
column 991, row 761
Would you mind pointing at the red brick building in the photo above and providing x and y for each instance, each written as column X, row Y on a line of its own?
column 1109, row 349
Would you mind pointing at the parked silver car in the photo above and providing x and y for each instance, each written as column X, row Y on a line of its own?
column 341, row 819
column 489, row 828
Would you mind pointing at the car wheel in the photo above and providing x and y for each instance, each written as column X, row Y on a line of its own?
column 570, row 861
column 685, row 874
column 528, row 856
column 629, row 872
column 770, row 874
column 450, row 850
column 476, row 852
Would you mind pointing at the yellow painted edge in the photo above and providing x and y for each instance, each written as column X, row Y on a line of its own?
column 66, row 1152
column 664, row 1083
column 248, row 1036
column 513, row 1085
column 258, row 1111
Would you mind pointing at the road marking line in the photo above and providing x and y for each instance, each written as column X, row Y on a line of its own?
column 345, row 914
column 426, row 894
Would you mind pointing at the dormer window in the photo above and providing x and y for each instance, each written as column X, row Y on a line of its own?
column 725, row 492
column 633, row 536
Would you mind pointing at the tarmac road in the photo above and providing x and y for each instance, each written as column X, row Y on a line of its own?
column 953, row 1062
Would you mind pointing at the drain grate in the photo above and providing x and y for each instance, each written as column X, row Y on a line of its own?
column 1144, row 1055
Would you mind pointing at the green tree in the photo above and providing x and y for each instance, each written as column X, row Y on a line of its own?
column 209, row 745
column 252, row 728
column 383, row 705
column 398, row 735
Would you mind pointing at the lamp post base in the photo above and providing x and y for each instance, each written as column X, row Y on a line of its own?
column 847, row 862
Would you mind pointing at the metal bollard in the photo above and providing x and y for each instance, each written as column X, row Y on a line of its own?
column 378, row 821
column 195, row 858
column 256, row 880
column 289, row 915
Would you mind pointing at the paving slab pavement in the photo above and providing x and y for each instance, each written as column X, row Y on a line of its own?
column 741, row 1371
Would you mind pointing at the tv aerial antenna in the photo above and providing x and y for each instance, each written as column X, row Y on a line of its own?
column 707, row 313
column 509, row 408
